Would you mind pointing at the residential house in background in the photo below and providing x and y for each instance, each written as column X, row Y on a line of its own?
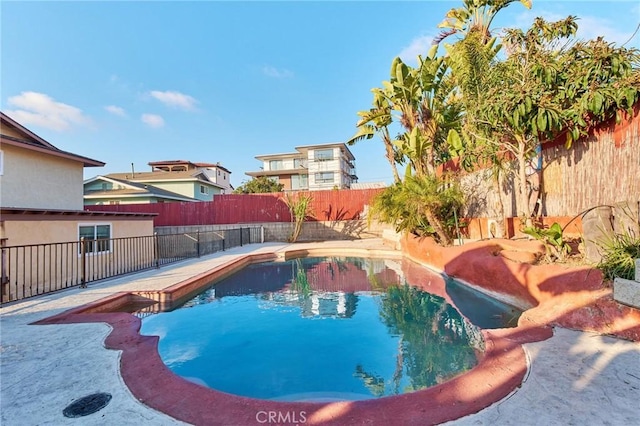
column 311, row 167
column 168, row 181
column 36, row 174
column 218, row 175
column 108, row 190
column 41, row 200
column 41, row 207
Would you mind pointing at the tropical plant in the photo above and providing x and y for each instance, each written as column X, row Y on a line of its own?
column 549, row 84
column 424, row 205
column 422, row 100
column 299, row 206
column 428, row 108
column 259, row 185
column 553, row 240
column 437, row 342
column 471, row 59
column 377, row 120
column 299, row 282
column 475, row 16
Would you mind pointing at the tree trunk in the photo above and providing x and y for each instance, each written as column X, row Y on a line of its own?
column 438, row 227
column 499, row 206
column 388, row 146
column 523, row 194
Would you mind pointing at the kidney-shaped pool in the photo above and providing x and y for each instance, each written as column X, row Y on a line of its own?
column 323, row 329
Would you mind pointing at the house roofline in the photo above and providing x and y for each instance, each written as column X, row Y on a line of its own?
column 197, row 165
column 48, row 148
column 58, row 212
column 112, row 180
column 86, row 162
column 268, row 173
column 135, row 186
column 141, row 195
column 25, row 130
column 283, row 154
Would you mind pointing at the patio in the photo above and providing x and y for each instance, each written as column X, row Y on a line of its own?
column 574, row 377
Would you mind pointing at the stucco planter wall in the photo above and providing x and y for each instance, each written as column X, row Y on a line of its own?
column 572, row 297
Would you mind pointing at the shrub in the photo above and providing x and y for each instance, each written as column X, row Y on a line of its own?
column 423, row 205
column 619, row 252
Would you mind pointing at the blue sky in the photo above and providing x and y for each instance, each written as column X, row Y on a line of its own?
column 134, row 82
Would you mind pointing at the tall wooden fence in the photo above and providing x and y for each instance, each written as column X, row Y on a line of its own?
column 601, row 169
column 331, row 205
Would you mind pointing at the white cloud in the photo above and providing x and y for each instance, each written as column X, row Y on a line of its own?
column 274, row 72
column 152, row 120
column 175, row 99
column 589, row 27
column 41, row 110
column 116, row 110
column 418, row 46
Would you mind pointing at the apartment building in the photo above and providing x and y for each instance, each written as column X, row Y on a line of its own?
column 311, row 167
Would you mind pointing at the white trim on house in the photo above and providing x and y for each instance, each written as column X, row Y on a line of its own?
column 95, row 226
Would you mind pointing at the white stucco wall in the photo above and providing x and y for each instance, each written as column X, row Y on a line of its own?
column 35, row 180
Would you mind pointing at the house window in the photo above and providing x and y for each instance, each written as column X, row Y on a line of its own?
column 323, row 154
column 97, row 238
column 299, row 163
column 204, row 189
column 275, row 165
column 299, row 182
column 324, row 177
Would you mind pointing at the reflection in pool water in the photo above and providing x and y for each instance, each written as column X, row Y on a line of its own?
column 316, row 329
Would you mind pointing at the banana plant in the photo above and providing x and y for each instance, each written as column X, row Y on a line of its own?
column 474, row 16
column 374, row 121
column 422, row 101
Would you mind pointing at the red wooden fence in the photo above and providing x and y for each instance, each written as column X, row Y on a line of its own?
column 347, row 204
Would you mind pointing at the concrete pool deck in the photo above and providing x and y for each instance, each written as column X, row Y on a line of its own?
column 574, row 377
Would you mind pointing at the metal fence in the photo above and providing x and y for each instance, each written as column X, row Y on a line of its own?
column 36, row 269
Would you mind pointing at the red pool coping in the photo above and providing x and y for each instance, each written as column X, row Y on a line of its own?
column 500, row 371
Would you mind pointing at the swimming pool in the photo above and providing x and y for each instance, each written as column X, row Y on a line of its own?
column 331, row 328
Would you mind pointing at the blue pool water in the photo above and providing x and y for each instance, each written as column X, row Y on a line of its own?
column 316, row 329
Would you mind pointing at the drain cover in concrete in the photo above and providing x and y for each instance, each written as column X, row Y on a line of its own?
column 87, row 405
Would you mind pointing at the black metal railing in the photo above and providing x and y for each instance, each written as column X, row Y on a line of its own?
column 32, row 270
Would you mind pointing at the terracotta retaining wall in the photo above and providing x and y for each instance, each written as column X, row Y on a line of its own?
column 571, row 297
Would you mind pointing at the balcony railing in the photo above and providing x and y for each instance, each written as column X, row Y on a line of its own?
column 32, row 270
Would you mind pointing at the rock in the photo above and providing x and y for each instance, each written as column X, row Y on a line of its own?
column 520, row 256
column 596, row 225
column 627, row 292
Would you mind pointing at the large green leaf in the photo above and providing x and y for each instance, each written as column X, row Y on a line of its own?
column 454, row 141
